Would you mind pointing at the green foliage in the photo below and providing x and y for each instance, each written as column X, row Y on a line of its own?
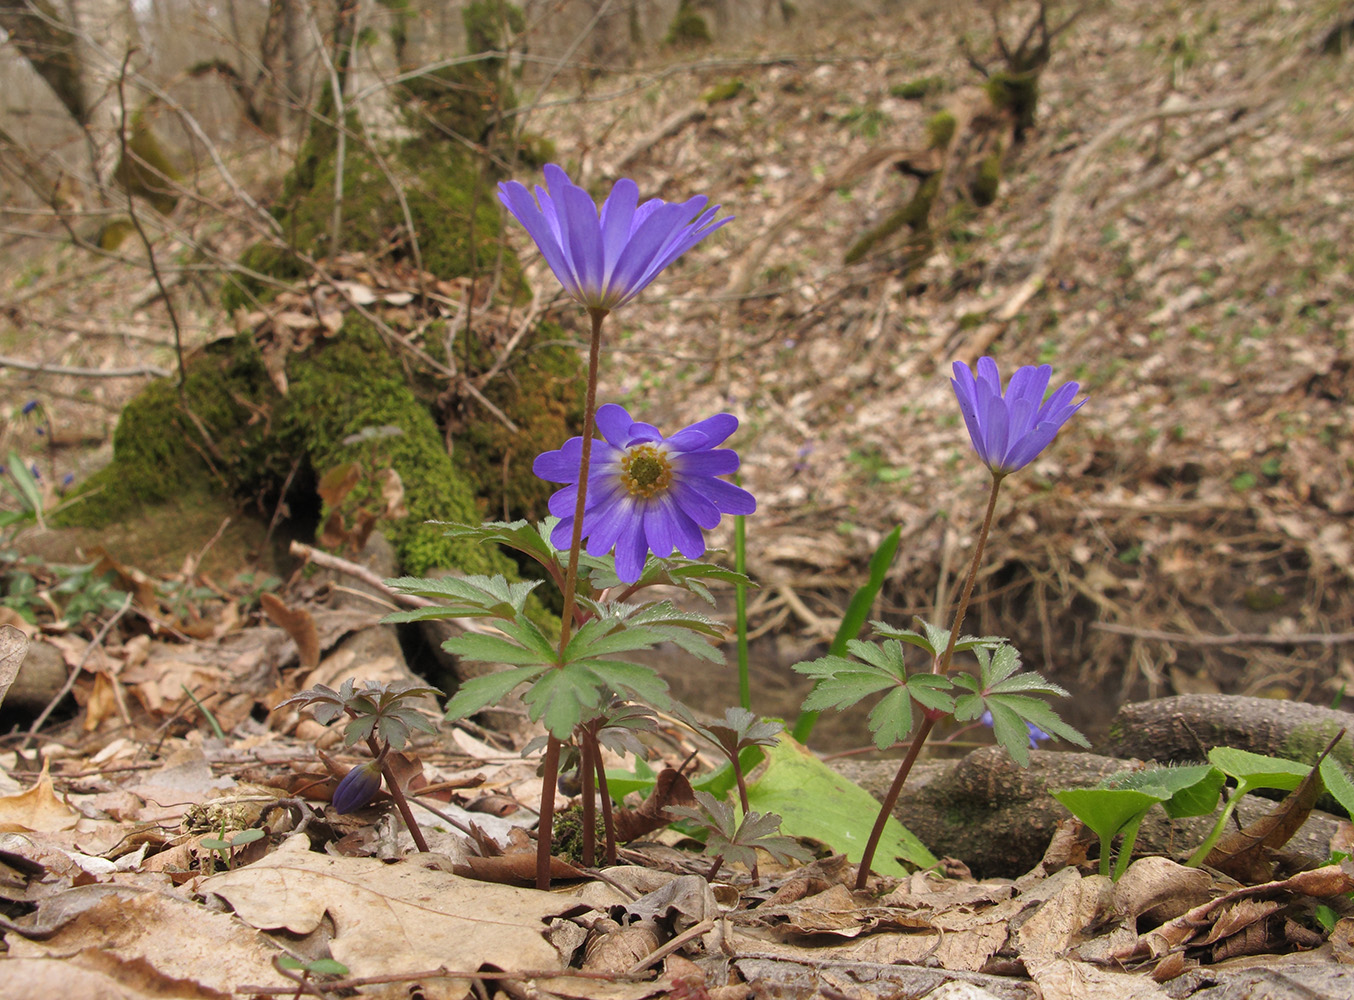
column 1016, row 700
column 1119, row 804
column 375, row 709
column 571, row 687
column 816, row 803
column 857, row 611
column 731, row 840
column 1250, row 771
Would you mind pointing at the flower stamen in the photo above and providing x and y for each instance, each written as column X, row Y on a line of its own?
column 645, row 471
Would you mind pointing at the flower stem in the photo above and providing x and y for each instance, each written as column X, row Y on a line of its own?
column 608, row 819
column 397, row 793
column 943, row 663
column 546, row 827
column 566, row 622
column 588, row 774
column 942, row 666
column 891, row 799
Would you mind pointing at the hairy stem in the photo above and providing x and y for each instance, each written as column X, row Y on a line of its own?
column 546, row 827
column 587, row 772
column 943, row 663
column 566, row 622
column 397, row 793
column 608, row 819
column 891, row 799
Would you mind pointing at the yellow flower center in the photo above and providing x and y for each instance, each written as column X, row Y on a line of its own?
column 645, row 471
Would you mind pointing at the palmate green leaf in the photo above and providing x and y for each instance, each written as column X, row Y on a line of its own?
column 932, row 691
column 841, row 682
column 495, row 649
column 531, row 540
column 933, row 638
column 891, row 718
column 641, row 681
column 462, row 597
column 489, row 689
column 562, row 696
column 995, row 665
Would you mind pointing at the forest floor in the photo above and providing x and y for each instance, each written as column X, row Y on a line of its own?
column 1172, row 234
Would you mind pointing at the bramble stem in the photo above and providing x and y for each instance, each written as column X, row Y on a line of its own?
column 943, row 663
column 546, row 827
column 566, row 621
column 890, row 800
column 397, row 793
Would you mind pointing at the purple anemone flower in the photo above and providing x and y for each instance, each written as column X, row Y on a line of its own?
column 605, row 258
column 1009, row 430
column 358, row 787
column 646, row 493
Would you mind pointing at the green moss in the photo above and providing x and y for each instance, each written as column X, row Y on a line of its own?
column 1017, row 93
column 212, row 436
column 725, row 91
column 940, row 129
column 146, row 170
column 987, row 179
column 544, row 396
column 687, row 29
column 915, row 90
column 355, row 381
column 915, row 215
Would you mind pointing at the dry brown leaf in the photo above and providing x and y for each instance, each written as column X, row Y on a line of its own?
column 36, row 810
column 13, row 649
column 297, row 623
column 338, row 482
column 1160, row 889
column 671, row 788
column 392, row 492
column 147, row 943
column 394, row 918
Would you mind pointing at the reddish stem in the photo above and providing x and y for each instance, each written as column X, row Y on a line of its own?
column 546, row 827
column 891, row 799
column 397, row 793
column 586, row 772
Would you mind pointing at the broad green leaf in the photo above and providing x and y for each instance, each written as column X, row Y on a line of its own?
column 622, row 783
column 1338, row 784
column 488, row 689
column 1186, row 791
column 817, row 803
column 1259, row 771
column 1108, row 812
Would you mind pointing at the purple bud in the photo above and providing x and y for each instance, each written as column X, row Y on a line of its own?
column 67, row 479
column 36, row 473
column 30, row 406
column 358, row 787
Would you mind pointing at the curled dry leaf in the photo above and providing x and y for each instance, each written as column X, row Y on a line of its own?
column 13, row 649
column 298, row 624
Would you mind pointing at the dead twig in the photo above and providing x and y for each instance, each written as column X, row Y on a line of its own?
column 94, row 644
column 1232, row 639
